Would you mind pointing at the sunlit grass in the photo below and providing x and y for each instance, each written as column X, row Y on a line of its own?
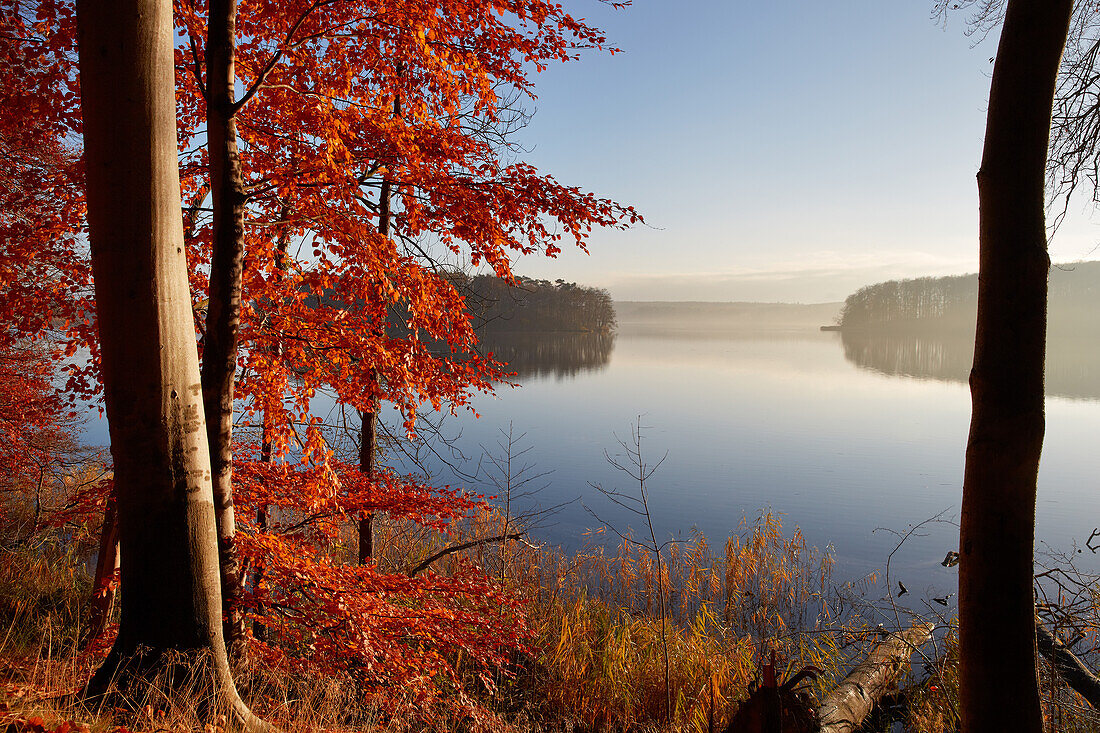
column 596, row 661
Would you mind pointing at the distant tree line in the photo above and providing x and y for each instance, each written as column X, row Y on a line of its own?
column 529, row 305
column 925, row 298
column 537, row 305
column 953, row 300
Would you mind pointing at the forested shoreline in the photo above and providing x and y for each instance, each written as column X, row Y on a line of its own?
column 950, row 303
column 531, row 305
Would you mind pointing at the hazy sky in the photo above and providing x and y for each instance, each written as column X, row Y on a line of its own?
column 786, row 150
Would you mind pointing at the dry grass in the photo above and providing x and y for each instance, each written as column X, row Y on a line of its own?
column 599, row 658
column 597, row 662
column 47, row 684
column 44, row 587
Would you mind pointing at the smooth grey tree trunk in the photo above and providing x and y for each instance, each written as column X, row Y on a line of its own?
column 171, row 600
column 998, row 684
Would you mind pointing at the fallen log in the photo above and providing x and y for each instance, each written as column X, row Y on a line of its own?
column 851, row 702
column 1067, row 665
column 784, row 708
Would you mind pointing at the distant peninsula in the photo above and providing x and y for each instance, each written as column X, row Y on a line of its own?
column 951, row 303
column 536, row 306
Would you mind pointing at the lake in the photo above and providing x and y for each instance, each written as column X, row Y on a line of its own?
column 848, row 437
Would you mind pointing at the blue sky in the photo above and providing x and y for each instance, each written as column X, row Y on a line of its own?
column 786, row 151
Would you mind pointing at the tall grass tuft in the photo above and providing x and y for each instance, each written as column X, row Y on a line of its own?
column 598, row 662
column 44, row 590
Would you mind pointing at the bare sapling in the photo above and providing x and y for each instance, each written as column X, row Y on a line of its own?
column 634, row 465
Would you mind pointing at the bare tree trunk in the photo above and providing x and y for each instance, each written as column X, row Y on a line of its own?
column 150, row 365
column 106, row 568
column 368, row 442
column 998, row 683
column 219, row 360
column 367, row 453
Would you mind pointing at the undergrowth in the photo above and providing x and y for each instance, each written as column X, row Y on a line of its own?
column 596, row 662
column 599, row 660
column 44, row 589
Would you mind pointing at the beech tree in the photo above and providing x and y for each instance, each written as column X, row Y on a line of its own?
column 172, row 600
column 998, row 684
column 396, row 100
column 220, row 344
column 300, row 262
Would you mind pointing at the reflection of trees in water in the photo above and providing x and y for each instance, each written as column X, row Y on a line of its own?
column 1073, row 359
column 911, row 355
column 550, row 354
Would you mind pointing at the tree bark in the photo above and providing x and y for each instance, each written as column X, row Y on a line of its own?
column 998, row 683
column 150, row 367
column 851, row 702
column 367, row 452
column 219, row 359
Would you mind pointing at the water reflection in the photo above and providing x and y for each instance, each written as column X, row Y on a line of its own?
column 1073, row 360
column 924, row 356
column 558, row 355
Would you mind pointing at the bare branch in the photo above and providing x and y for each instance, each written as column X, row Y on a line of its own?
column 451, row 549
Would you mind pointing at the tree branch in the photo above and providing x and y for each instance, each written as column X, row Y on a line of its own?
column 258, row 82
column 458, row 548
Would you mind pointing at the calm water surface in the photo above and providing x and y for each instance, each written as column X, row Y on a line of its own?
column 845, row 439
column 848, row 438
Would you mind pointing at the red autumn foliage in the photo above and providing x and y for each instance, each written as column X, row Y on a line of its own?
column 37, row 444
column 341, row 101
column 320, row 139
column 44, row 270
column 395, row 633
